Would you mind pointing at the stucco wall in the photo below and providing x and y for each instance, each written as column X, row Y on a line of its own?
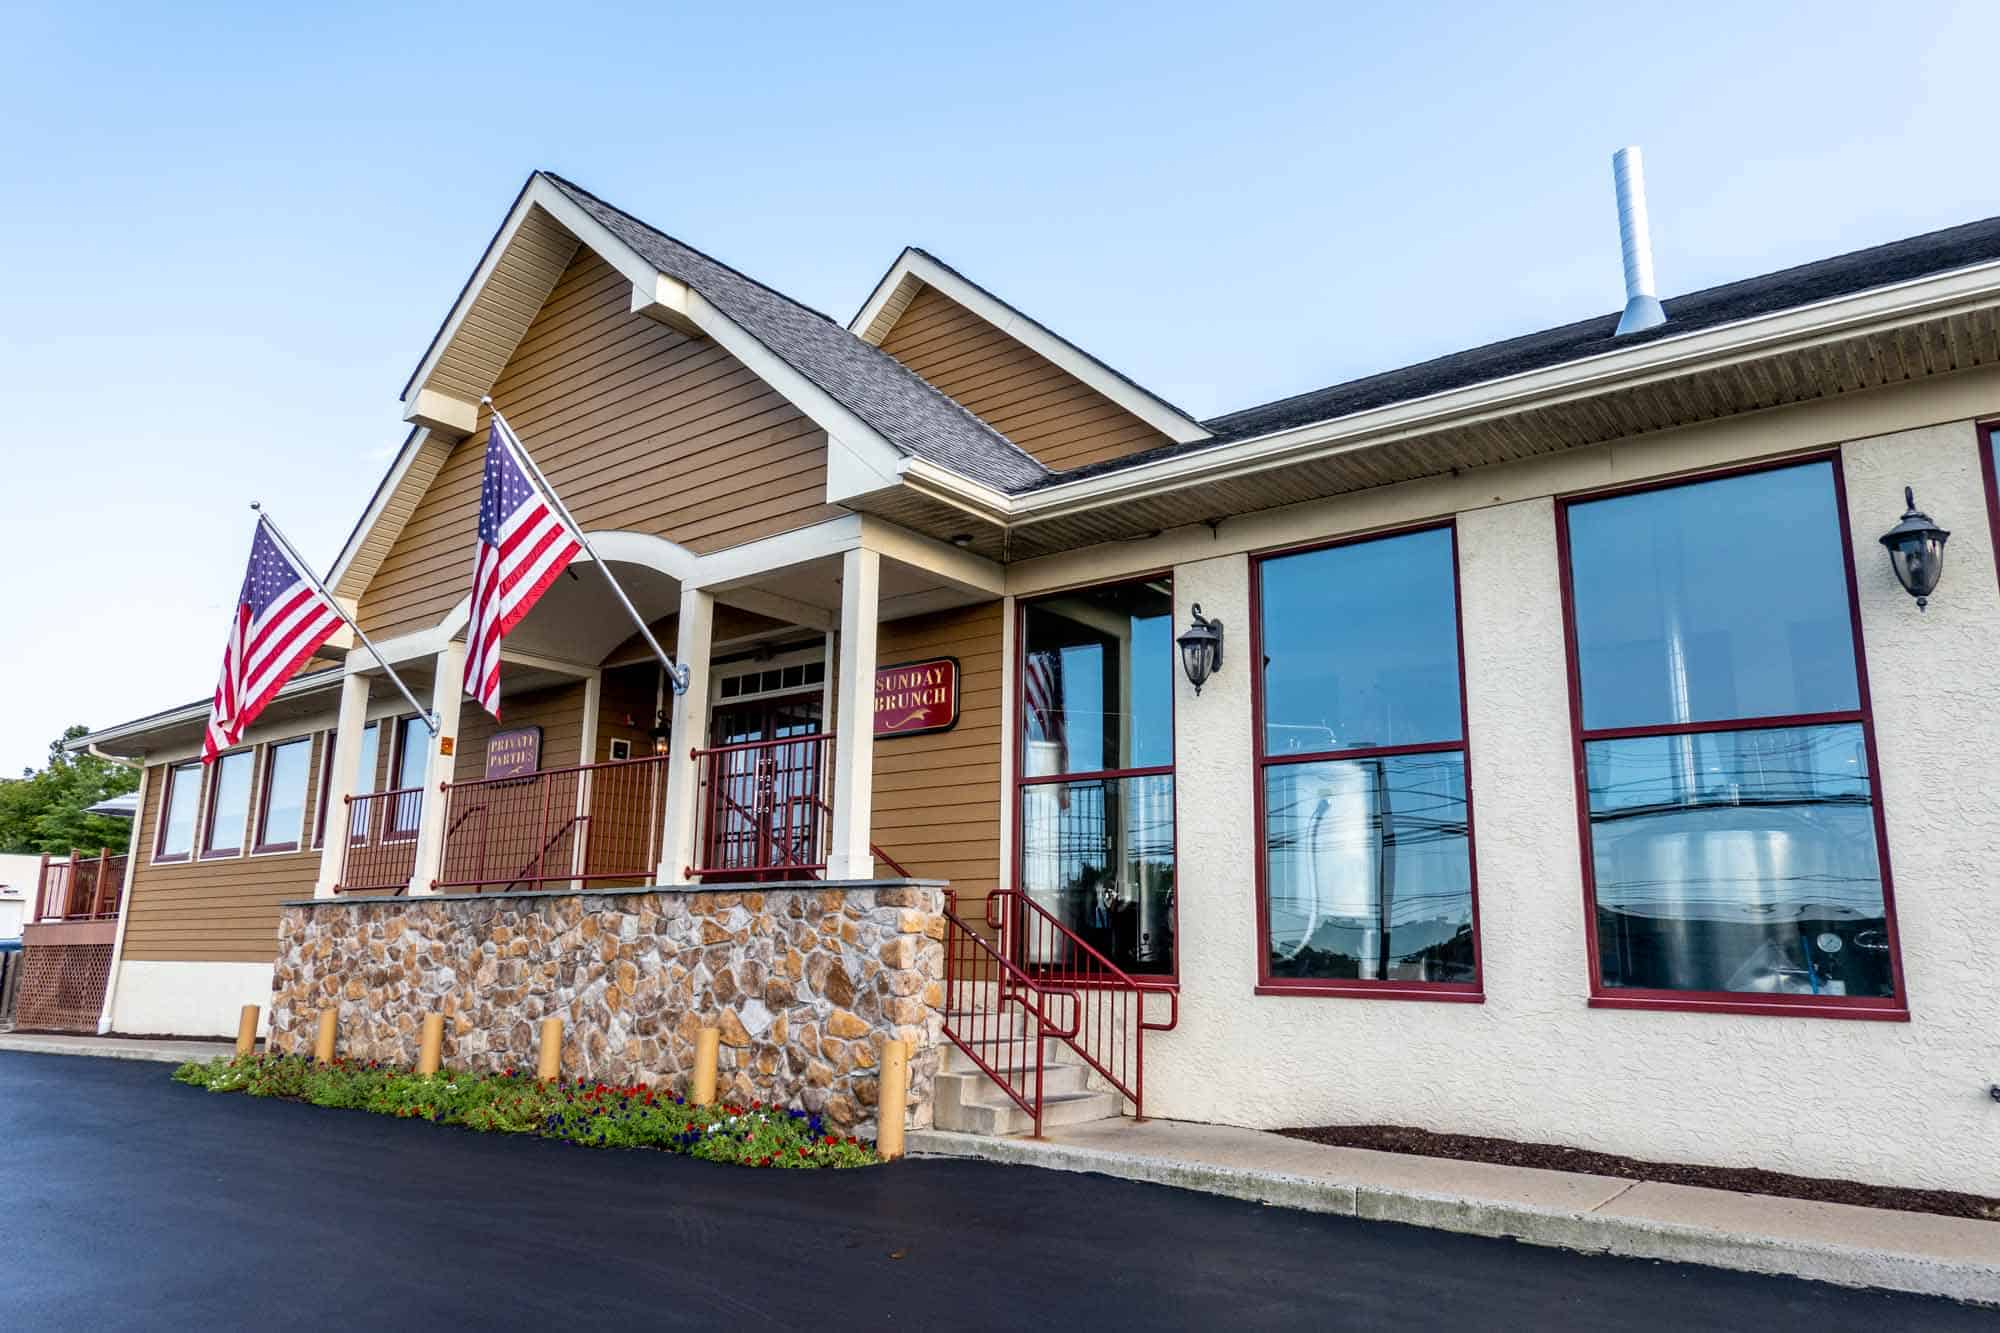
column 1893, row 1102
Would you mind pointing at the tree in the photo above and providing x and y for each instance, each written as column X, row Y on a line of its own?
column 43, row 810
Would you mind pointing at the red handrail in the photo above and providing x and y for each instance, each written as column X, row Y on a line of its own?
column 998, row 1014
column 1111, row 1030
column 762, row 808
column 380, row 852
column 583, row 822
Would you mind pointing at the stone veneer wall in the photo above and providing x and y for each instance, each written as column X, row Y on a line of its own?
column 805, row 984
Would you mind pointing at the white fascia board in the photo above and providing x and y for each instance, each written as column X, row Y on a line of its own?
column 1800, row 327
column 1155, row 412
column 973, row 572
column 304, row 683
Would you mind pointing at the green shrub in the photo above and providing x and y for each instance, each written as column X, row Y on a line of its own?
column 595, row 1115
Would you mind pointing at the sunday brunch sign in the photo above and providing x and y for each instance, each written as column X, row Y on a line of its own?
column 912, row 698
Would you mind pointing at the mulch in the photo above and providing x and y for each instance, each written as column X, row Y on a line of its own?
column 1554, row 1157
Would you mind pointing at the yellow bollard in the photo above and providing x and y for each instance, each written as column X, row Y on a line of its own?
column 430, row 1048
column 707, row 1043
column 548, row 1064
column 892, row 1099
column 246, row 1031
column 323, row 1048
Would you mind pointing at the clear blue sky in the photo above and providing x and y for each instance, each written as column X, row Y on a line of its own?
column 230, row 230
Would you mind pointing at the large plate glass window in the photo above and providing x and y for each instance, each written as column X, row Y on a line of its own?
column 1096, row 767
column 1367, row 884
column 1734, row 853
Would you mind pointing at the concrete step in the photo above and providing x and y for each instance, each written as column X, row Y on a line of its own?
column 1000, row 1116
column 1068, row 1076
column 1013, row 1054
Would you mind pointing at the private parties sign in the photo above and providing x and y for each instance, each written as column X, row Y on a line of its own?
column 912, row 698
column 513, row 754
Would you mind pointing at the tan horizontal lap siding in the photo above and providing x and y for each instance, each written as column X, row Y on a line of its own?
column 937, row 797
column 222, row 911
column 639, row 428
column 1031, row 400
column 557, row 711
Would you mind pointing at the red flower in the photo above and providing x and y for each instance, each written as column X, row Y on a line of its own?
column 802, row 1152
column 831, row 1140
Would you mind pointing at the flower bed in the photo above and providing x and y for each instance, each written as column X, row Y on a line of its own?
column 592, row 1114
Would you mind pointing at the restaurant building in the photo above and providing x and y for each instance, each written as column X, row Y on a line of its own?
column 1534, row 742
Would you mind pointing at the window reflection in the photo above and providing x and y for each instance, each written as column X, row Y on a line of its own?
column 1097, row 680
column 1360, row 645
column 1099, row 855
column 1674, row 618
column 1739, row 861
column 1370, row 874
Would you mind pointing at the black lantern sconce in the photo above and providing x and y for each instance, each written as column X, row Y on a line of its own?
column 659, row 733
column 1916, row 551
column 1201, row 649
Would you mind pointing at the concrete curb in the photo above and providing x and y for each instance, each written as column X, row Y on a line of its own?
column 170, row 1055
column 1589, row 1232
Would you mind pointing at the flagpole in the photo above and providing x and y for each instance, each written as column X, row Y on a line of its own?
column 298, row 562
column 675, row 673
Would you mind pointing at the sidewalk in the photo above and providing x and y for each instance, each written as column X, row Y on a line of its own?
column 1826, row 1242
column 167, row 1050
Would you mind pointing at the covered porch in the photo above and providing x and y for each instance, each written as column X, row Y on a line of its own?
column 598, row 774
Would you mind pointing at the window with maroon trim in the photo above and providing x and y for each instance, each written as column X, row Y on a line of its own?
column 1095, row 777
column 180, row 801
column 1366, row 884
column 1989, row 463
column 412, row 757
column 228, row 804
column 1733, row 845
column 364, row 782
column 281, row 804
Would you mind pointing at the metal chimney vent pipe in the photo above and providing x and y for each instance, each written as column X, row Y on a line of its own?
column 1635, row 238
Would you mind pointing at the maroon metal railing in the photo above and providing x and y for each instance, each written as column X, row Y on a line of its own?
column 381, row 851
column 588, row 823
column 1001, row 1016
column 1108, row 1030
column 763, row 809
column 81, row 888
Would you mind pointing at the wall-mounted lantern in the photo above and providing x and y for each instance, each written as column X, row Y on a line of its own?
column 1201, row 649
column 1916, row 551
column 659, row 733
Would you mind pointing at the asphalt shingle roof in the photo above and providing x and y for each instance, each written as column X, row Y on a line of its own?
column 1843, row 275
column 904, row 408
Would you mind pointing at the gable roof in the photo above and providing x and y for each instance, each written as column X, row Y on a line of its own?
column 1785, row 289
column 917, row 268
column 915, row 418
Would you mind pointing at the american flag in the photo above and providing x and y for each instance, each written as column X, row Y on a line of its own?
column 280, row 619
column 523, row 545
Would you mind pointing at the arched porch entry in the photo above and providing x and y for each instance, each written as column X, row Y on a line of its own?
column 597, row 774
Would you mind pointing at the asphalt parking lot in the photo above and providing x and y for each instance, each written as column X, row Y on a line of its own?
column 132, row 1202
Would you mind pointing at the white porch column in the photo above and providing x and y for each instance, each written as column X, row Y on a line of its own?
column 447, row 688
column 854, row 709
column 694, row 635
column 343, row 777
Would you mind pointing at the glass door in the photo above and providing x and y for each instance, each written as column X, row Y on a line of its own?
column 766, row 788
